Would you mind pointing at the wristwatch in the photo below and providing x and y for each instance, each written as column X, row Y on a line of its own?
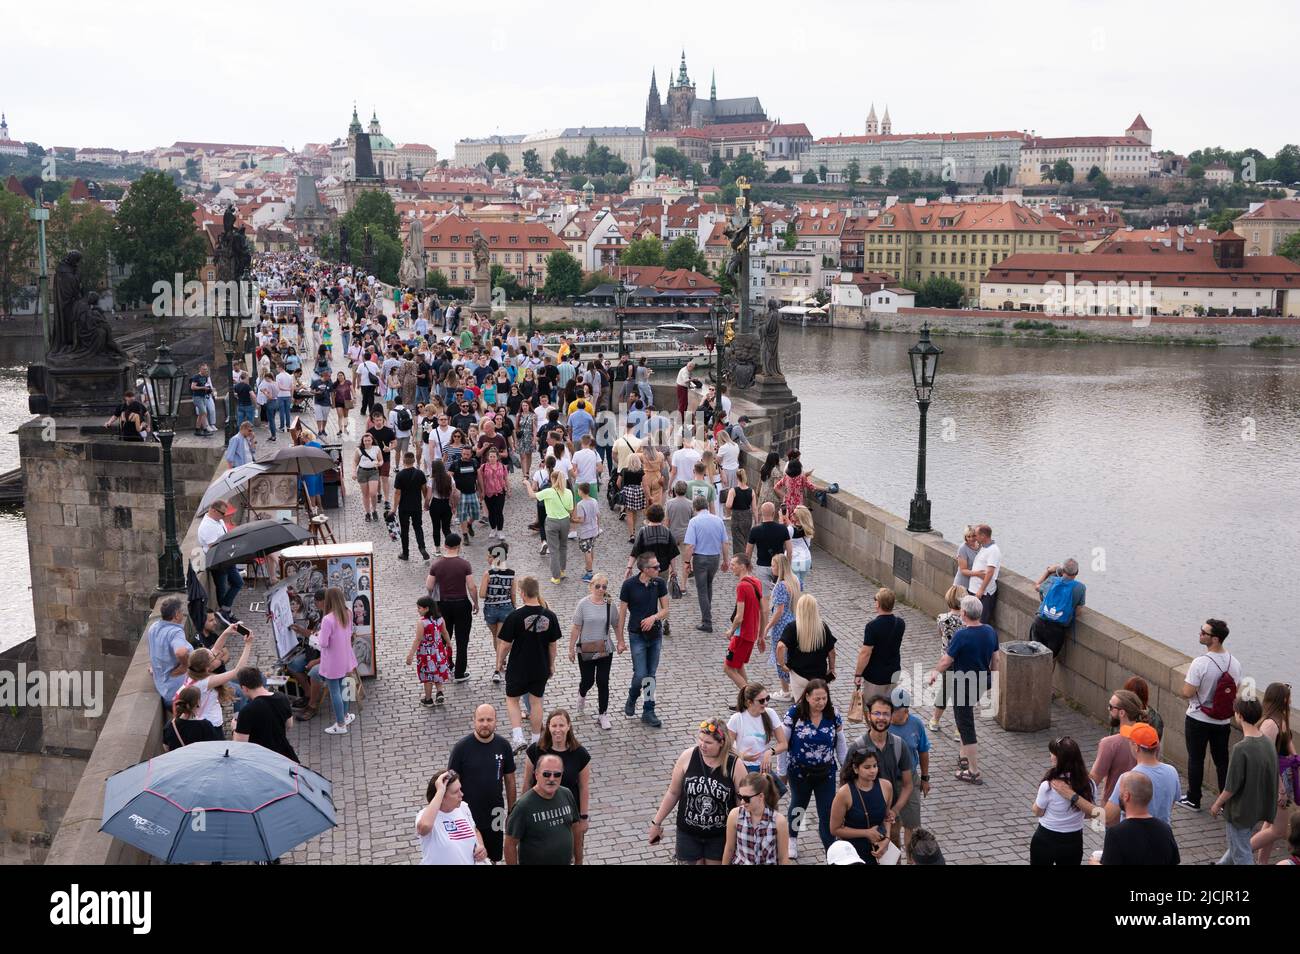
column 583, row 817
column 1074, row 799
column 925, row 778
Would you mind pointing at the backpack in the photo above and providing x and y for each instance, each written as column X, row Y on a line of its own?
column 1058, row 602
column 1225, row 694
column 403, row 417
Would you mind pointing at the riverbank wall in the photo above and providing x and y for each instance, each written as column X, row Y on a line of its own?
column 1156, row 329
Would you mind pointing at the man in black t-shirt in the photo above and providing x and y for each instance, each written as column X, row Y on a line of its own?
column 130, row 417
column 484, row 761
column 528, row 637
column 384, row 437
column 642, row 610
column 266, row 715
column 411, row 495
column 464, row 418
column 766, row 539
column 1139, row 839
column 245, row 410
column 465, row 474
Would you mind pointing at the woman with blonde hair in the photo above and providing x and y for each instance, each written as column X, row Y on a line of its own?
column 337, row 660
column 631, row 481
column 806, row 647
column 728, row 459
column 801, row 536
column 713, row 474
column 214, row 688
column 949, row 623
column 785, row 594
column 654, row 469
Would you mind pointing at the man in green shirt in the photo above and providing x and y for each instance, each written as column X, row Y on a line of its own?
column 1249, row 794
column 701, row 487
column 539, row 830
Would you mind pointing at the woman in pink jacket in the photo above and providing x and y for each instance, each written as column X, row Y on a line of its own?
column 336, row 657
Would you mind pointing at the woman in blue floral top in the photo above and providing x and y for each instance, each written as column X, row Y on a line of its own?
column 817, row 747
column 784, row 595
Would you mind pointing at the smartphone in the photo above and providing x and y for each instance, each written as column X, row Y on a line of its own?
column 241, row 629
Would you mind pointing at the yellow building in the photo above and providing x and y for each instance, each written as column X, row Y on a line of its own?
column 1267, row 225
column 951, row 240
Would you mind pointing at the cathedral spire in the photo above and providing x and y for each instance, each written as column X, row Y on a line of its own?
column 682, row 78
column 713, row 86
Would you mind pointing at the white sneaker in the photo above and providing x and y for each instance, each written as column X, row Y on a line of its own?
column 336, row 729
column 351, row 718
column 603, row 720
column 573, row 534
column 794, row 849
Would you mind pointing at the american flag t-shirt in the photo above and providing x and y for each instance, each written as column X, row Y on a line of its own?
column 458, row 828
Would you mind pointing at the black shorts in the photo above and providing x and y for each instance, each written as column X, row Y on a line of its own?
column 492, row 829
column 692, row 848
column 1052, row 635
column 519, row 684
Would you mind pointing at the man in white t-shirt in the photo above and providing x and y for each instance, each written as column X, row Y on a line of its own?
column 984, row 573
column 446, row 827
column 1199, row 729
column 401, row 414
column 684, row 461
column 227, row 581
column 440, row 437
column 283, row 396
column 587, row 466
column 684, row 389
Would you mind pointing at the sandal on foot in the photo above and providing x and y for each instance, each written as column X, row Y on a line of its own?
column 304, row 715
column 966, row 775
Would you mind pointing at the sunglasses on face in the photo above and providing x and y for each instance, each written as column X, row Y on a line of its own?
column 551, row 774
column 762, row 701
column 600, row 586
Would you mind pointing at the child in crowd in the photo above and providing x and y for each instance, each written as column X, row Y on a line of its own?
column 430, row 651
column 586, row 515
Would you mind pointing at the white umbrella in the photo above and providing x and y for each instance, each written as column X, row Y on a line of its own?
column 233, row 481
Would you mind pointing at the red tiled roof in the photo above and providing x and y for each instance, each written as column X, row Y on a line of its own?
column 457, row 232
column 1065, row 142
column 1275, row 209
column 944, row 137
column 1139, row 123
column 1194, row 267
column 949, row 216
column 13, row 185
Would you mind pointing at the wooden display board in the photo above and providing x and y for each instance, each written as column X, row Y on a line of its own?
column 350, row 567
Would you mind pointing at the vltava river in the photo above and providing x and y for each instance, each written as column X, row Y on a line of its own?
column 1172, row 474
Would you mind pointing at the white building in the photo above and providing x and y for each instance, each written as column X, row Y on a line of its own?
column 1126, row 158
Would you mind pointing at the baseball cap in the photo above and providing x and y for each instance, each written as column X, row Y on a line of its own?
column 1141, row 735
column 842, row 853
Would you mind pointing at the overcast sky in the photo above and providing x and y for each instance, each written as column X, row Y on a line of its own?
column 142, row 74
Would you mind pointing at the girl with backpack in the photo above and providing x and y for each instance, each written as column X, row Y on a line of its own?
column 1066, row 798
column 430, row 652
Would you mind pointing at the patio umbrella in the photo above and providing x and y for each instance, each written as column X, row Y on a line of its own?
column 299, row 459
column 254, row 540
column 233, row 481
column 217, row 801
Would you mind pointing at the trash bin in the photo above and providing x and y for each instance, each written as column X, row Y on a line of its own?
column 1024, row 686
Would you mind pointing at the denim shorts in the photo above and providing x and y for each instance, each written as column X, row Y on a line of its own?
column 496, row 612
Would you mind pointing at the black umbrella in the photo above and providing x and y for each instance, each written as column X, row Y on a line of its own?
column 254, row 540
column 299, row 459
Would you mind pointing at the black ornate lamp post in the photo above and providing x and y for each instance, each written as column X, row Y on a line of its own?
column 531, row 276
column 924, row 358
column 621, row 295
column 230, row 335
column 164, row 381
column 721, row 312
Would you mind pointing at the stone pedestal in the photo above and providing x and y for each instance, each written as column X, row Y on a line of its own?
column 76, row 389
column 481, row 307
column 1024, row 687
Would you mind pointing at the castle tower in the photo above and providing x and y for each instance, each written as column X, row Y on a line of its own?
column 681, row 97
column 713, row 87
column 654, row 115
column 4, row 128
column 374, row 124
column 1137, row 129
column 873, row 126
column 886, row 127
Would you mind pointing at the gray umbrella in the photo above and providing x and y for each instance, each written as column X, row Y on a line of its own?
column 217, row 801
column 254, row 540
column 231, row 482
column 299, row 459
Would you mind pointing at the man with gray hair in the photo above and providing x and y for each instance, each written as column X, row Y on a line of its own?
column 169, row 650
column 1062, row 594
column 971, row 657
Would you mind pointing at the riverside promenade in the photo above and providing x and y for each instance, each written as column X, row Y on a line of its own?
column 380, row 769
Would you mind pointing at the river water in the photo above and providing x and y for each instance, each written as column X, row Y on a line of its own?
column 1172, row 474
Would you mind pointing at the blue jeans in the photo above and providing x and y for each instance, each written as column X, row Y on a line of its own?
column 645, row 663
column 337, row 702
column 800, row 792
column 245, row 412
column 347, row 341
column 1238, row 852
column 228, row 583
column 282, row 407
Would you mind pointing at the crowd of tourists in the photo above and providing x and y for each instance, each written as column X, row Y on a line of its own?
column 458, row 413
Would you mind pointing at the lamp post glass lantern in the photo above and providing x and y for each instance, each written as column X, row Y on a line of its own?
column 924, row 359
column 622, row 293
column 230, row 335
column 163, row 384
